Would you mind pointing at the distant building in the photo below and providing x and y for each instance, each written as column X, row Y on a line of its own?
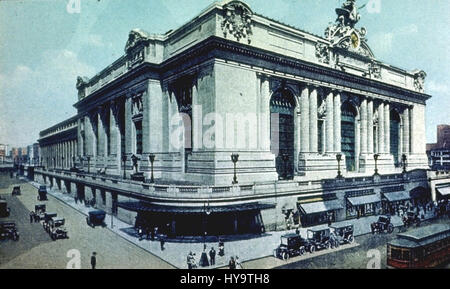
column 439, row 152
column 3, row 152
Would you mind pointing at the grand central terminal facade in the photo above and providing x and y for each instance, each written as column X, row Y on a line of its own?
column 247, row 121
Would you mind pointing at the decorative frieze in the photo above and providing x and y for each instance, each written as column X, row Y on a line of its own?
column 237, row 21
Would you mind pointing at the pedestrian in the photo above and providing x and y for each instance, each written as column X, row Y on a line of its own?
column 31, row 216
column 238, row 263
column 93, row 260
column 162, row 242
column 232, row 263
column 153, row 234
column 189, row 260
column 204, row 259
column 212, row 256
column 221, row 248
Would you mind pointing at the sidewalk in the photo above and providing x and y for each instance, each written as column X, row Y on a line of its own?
column 175, row 253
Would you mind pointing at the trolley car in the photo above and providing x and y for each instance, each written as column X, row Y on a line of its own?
column 422, row 248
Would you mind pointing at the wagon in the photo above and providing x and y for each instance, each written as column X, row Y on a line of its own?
column 291, row 245
column 57, row 229
column 8, row 231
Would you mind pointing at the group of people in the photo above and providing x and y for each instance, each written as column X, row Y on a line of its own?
column 152, row 234
column 234, row 262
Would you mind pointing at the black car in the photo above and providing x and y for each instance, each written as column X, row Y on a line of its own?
column 318, row 238
column 57, row 229
column 8, row 231
column 291, row 245
column 39, row 212
column 48, row 217
column 4, row 210
column 16, row 191
column 411, row 218
column 96, row 218
column 342, row 234
column 382, row 225
column 42, row 193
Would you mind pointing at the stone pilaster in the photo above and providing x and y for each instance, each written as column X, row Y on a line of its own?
column 370, row 148
column 406, row 132
column 381, row 128
column 337, row 123
column 387, row 128
column 313, row 133
column 364, row 126
column 329, row 123
column 304, row 103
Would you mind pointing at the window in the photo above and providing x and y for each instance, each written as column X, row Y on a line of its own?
column 138, row 125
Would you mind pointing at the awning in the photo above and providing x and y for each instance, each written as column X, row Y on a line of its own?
column 444, row 191
column 397, row 196
column 320, row 207
column 149, row 207
column 369, row 199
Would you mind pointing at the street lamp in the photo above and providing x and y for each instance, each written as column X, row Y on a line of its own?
column 89, row 163
column 124, row 160
column 375, row 157
column 404, row 163
column 339, row 159
column 151, row 157
column 234, row 159
column 207, row 211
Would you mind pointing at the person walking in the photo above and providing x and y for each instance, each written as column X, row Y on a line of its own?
column 93, row 260
column 232, row 263
column 189, row 261
column 238, row 263
column 212, row 256
column 162, row 242
column 31, row 216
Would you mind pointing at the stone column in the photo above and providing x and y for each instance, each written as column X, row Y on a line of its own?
column 100, row 134
column 329, row 123
column 129, row 142
column 89, row 136
column 155, row 98
column 406, row 132
column 364, row 127
column 387, row 128
column 370, row 148
column 304, row 100
column 313, row 133
column 337, row 123
column 114, row 132
column 381, row 128
column 265, row 114
column 79, row 136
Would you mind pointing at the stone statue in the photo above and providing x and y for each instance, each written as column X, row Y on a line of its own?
column 348, row 15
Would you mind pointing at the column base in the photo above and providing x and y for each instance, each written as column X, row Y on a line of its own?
column 385, row 164
column 319, row 166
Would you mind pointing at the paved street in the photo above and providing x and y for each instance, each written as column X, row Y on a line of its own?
column 35, row 249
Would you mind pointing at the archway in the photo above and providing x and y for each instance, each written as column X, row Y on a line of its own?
column 394, row 136
column 282, row 131
column 348, row 129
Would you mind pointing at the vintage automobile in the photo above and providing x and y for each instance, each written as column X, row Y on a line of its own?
column 16, row 191
column 42, row 193
column 382, row 225
column 57, row 229
column 291, row 245
column 48, row 217
column 4, row 210
column 411, row 218
column 39, row 212
column 318, row 239
column 8, row 231
column 342, row 234
column 96, row 218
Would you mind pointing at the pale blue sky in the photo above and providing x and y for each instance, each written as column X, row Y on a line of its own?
column 43, row 48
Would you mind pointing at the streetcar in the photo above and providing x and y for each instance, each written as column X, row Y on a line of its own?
column 426, row 247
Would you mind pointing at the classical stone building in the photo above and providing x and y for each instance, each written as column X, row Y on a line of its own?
column 231, row 81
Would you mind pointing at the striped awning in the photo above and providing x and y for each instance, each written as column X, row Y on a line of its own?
column 397, row 196
column 444, row 191
column 320, row 207
column 369, row 199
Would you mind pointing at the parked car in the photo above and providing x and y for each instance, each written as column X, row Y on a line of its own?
column 39, row 212
column 382, row 225
column 411, row 218
column 291, row 245
column 4, row 210
column 57, row 229
column 8, row 231
column 42, row 193
column 318, row 239
column 96, row 218
column 342, row 234
column 16, row 191
column 48, row 217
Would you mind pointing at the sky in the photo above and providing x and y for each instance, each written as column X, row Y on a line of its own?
column 44, row 46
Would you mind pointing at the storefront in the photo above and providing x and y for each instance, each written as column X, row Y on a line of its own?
column 317, row 213
column 420, row 196
column 362, row 206
column 443, row 192
column 392, row 202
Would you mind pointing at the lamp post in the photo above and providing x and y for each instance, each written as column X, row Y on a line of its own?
column 89, row 164
column 124, row 160
column 207, row 211
column 404, row 163
column 151, row 158
column 339, row 159
column 234, row 159
column 375, row 157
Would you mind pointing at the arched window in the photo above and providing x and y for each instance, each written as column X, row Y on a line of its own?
column 348, row 126
column 282, row 108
